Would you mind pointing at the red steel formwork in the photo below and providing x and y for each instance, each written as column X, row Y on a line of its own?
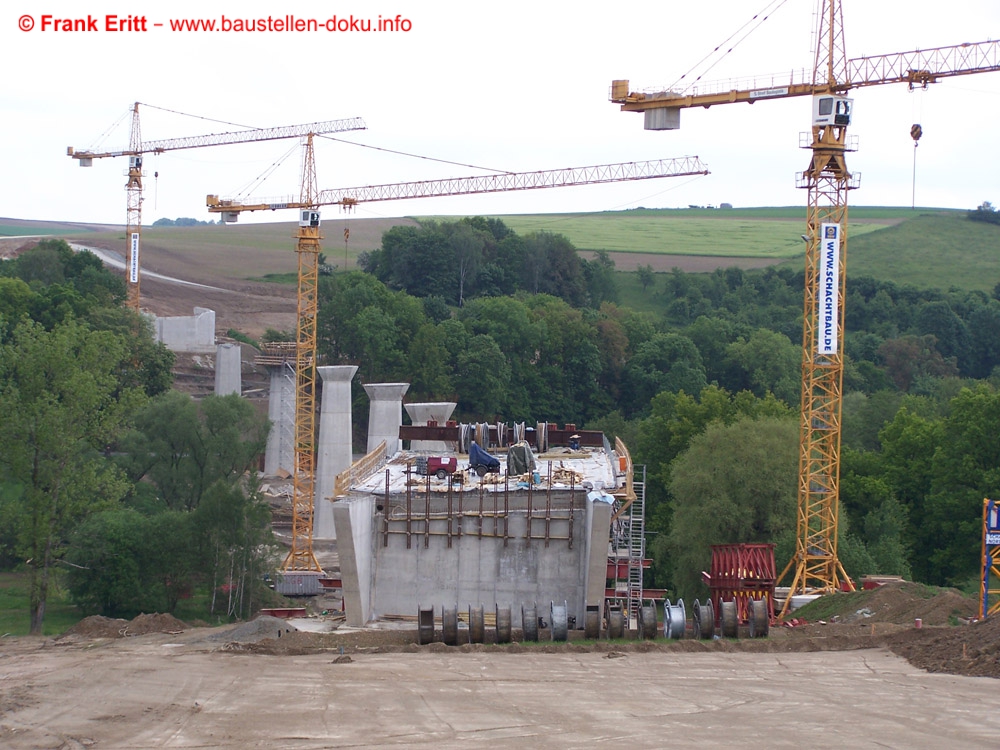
column 741, row 572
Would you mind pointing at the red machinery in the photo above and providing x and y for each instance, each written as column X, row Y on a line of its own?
column 742, row 587
column 439, row 466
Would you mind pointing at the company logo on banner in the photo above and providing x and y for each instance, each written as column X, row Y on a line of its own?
column 829, row 288
column 133, row 259
column 992, row 524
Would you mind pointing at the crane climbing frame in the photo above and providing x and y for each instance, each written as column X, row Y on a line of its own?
column 301, row 556
column 815, row 566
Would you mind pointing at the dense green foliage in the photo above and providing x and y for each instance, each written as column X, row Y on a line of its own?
column 735, row 483
column 482, row 257
column 60, row 404
column 128, row 492
column 986, row 212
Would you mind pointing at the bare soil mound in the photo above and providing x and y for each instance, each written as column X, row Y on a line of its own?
column 972, row 650
column 98, row 626
column 901, row 603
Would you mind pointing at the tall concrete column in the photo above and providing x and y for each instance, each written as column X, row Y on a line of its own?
column 386, row 415
column 280, row 451
column 228, row 370
column 333, row 453
column 598, row 527
column 421, row 414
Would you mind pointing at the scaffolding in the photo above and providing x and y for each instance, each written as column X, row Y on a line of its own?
column 425, row 510
column 627, row 546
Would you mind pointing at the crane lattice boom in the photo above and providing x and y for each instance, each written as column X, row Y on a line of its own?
column 494, row 183
column 921, row 67
column 917, row 68
column 230, row 138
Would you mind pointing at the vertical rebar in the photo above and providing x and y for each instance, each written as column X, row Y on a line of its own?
column 506, row 508
column 385, row 512
column 572, row 508
column 480, row 522
column 451, row 518
column 461, row 496
column 548, row 505
column 496, row 520
column 427, row 511
column 531, row 500
column 409, row 508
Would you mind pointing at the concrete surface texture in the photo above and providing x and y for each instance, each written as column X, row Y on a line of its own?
column 228, row 369
column 189, row 333
column 181, row 691
column 444, row 544
column 422, row 413
column 280, row 450
column 385, row 415
column 333, row 453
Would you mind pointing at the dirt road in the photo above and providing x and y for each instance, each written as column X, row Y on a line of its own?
column 183, row 691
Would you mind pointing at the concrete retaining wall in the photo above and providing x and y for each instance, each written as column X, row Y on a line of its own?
column 474, row 569
column 192, row 333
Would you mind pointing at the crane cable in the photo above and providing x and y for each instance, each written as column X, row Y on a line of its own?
column 339, row 140
column 416, row 156
column 768, row 9
column 95, row 146
column 257, row 181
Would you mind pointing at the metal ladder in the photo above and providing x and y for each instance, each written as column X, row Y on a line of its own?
column 636, row 549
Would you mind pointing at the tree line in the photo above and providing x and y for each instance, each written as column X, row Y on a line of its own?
column 480, row 257
column 129, row 493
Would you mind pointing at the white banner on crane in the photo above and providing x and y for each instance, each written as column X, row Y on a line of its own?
column 133, row 259
column 829, row 289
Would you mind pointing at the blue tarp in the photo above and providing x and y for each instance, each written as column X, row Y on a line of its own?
column 479, row 457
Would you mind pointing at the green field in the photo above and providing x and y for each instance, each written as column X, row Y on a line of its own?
column 931, row 251
column 7, row 230
column 748, row 232
column 14, row 615
column 925, row 247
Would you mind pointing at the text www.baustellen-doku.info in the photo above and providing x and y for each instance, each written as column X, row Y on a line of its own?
column 137, row 24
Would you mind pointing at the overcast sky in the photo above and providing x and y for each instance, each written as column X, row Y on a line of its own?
column 516, row 86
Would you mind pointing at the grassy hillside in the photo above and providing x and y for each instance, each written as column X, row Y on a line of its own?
column 926, row 247
column 748, row 232
column 930, row 250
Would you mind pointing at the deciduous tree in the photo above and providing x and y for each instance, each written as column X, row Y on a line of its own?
column 60, row 405
column 734, row 484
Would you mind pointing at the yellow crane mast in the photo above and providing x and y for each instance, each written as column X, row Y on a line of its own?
column 301, row 557
column 816, row 565
column 138, row 148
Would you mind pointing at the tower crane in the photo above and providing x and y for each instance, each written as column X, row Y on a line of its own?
column 301, row 557
column 816, row 566
column 137, row 148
